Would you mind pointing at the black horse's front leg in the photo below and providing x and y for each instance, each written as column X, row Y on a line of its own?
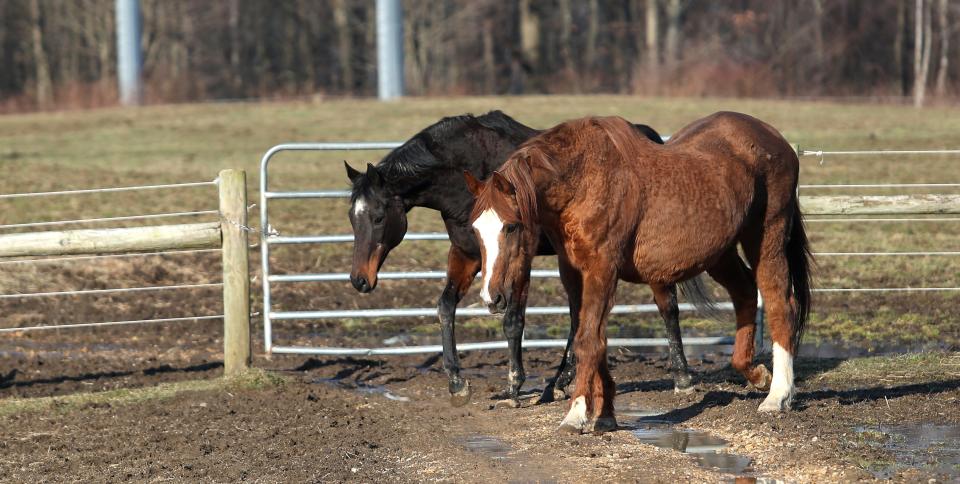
column 513, row 323
column 461, row 270
column 666, row 299
column 567, row 370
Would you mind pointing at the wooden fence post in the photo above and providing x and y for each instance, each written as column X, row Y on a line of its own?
column 236, row 276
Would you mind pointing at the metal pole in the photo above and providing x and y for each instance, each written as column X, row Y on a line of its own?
column 389, row 49
column 129, row 57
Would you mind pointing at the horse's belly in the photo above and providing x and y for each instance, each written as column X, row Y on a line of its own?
column 668, row 252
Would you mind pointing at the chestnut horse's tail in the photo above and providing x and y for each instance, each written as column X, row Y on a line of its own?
column 799, row 262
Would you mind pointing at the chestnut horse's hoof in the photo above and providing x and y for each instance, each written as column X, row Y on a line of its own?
column 576, row 419
column 763, row 381
column 603, row 424
column 778, row 400
column 461, row 397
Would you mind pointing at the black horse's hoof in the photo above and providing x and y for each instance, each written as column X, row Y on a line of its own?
column 507, row 403
column 683, row 384
column 462, row 397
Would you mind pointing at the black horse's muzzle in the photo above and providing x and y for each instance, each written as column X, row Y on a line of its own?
column 361, row 284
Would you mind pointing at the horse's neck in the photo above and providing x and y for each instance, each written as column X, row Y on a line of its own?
column 434, row 189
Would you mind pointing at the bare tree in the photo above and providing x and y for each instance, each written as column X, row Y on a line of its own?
column 944, row 48
column 652, row 34
column 899, row 62
column 672, row 47
column 44, row 85
column 923, row 31
column 529, row 32
column 341, row 18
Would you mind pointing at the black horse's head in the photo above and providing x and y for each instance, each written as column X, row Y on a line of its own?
column 379, row 221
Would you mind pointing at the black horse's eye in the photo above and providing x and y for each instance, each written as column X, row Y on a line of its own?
column 512, row 228
column 378, row 219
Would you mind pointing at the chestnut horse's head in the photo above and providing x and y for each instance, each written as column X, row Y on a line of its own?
column 508, row 234
column 379, row 222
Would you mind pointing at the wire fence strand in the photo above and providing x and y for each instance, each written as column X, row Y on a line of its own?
column 107, row 190
column 119, row 290
column 111, row 219
column 110, row 323
column 50, row 260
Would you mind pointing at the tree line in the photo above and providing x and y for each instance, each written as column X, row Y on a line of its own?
column 60, row 53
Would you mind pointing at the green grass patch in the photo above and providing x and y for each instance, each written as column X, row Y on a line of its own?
column 908, row 368
column 252, row 379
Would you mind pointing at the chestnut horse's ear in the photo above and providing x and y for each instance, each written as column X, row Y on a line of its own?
column 472, row 183
column 373, row 174
column 351, row 173
column 502, row 184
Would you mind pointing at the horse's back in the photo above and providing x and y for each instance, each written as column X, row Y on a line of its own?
column 739, row 136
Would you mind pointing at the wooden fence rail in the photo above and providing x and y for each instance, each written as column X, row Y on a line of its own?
column 229, row 234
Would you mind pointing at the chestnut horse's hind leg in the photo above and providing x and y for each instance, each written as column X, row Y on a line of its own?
column 461, row 269
column 773, row 278
column 666, row 299
column 731, row 273
column 591, row 409
column 573, row 285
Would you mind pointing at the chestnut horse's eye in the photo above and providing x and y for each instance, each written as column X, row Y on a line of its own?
column 512, row 228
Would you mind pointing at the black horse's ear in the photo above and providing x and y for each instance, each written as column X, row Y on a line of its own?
column 351, row 173
column 373, row 174
column 501, row 183
column 472, row 183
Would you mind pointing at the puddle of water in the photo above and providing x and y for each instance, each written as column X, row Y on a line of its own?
column 363, row 388
column 708, row 450
column 931, row 447
column 491, row 447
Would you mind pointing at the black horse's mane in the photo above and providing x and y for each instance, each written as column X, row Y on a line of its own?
column 415, row 158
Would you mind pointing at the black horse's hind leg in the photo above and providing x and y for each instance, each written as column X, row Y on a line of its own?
column 567, row 370
column 513, row 323
column 461, row 270
column 666, row 299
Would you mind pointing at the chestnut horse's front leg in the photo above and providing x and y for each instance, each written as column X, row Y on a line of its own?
column 591, row 407
column 513, row 323
column 461, row 269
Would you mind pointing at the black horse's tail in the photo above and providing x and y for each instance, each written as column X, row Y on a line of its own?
column 799, row 262
column 696, row 292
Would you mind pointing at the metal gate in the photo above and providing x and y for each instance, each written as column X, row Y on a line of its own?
column 271, row 237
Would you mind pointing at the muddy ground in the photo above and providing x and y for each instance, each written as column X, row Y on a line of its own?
column 375, row 420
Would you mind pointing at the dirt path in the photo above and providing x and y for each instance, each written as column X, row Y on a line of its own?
column 367, row 420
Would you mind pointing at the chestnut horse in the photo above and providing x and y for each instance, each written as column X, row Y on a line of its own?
column 617, row 206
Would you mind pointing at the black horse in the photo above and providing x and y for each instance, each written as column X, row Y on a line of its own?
column 427, row 171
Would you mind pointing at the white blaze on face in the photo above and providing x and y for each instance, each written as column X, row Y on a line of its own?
column 489, row 225
column 359, row 206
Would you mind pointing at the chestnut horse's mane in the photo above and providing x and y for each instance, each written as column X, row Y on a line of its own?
column 536, row 154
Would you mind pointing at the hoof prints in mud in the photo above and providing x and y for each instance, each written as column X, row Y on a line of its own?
column 491, row 447
column 362, row 388
column 923, row 445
